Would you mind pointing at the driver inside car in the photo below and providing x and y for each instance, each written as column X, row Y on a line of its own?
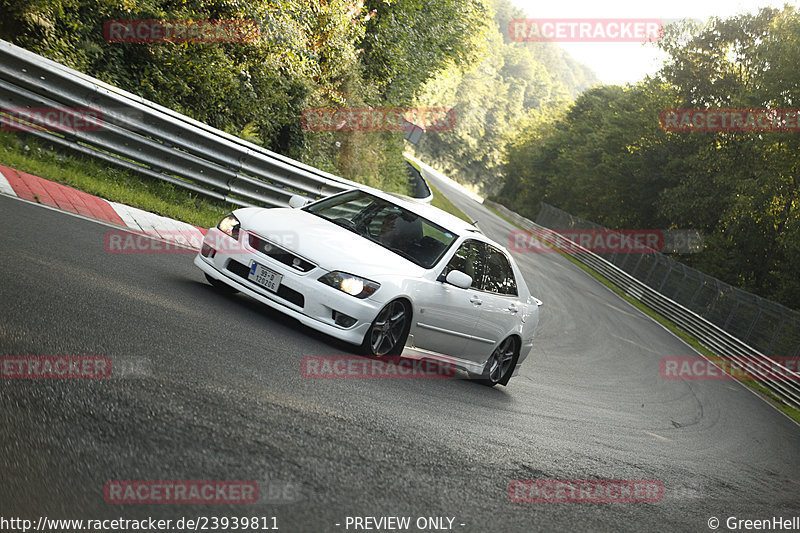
column 400, row 231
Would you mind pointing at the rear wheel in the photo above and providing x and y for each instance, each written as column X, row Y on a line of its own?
column 217, row 284
column 388, row 333
column 501, row 364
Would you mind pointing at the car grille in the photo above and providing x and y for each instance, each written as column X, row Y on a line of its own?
column 280, row 254
column 284, row 292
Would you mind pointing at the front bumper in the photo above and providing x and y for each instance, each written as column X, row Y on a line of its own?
column 300, row 295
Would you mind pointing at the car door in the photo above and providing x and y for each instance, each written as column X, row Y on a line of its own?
column 500, row 306
column 446, row 315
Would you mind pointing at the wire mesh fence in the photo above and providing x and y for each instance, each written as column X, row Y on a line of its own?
column 769, row 327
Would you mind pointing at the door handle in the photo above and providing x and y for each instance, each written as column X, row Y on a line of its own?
column 512, row 308
column 475, row 300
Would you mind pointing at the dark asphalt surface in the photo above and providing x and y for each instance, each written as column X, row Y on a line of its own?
column 208, row 386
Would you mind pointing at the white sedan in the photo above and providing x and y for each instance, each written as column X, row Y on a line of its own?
column 390, row 275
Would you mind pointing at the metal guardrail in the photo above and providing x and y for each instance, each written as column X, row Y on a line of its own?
column 157, row 142
column 708, row 334
column 765, row 325
column 422, row 190
column 151, row 140
column 426, row 168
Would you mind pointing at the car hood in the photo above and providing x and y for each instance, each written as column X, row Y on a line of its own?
column 324, row 243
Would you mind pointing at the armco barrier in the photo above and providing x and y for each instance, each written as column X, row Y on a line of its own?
column 156, row 142
column 766, row 326
column 708, row 334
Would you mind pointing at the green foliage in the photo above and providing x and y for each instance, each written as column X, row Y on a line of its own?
column 439, row 200
column 408, row 41
column 308, row 53
column 493, row 98
column 608, row 160
column 111, row 183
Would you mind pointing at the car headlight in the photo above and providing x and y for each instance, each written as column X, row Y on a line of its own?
column 353, row 285
column 230, row 226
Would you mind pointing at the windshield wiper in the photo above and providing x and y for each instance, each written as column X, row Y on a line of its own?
column 404, row 254
column 342, row 223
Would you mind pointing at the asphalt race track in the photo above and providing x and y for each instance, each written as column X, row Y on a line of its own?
column 209, row 387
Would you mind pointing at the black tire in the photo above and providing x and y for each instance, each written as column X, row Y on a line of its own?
column 501, row 363
column 217, row 284
column 388, row 333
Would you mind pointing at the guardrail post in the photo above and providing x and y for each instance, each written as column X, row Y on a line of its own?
column 710, row 334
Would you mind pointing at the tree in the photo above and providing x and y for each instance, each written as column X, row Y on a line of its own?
column 491, row 99
column 408, row 41
column 309, row 53
column 608, row 160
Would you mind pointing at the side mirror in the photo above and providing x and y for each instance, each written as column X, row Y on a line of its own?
column 296, row 201
column 459, row 279
column 538, row 302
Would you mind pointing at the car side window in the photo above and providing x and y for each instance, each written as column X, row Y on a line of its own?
column 499, row 277
column 469, row 259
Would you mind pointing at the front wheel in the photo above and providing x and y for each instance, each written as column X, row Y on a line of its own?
column 501, row 364
column 388, row 333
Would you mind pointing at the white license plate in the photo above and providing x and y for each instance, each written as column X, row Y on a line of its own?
column 265, row 277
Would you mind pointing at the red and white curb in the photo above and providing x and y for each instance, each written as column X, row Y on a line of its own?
column 35, row 189
column 5, row 186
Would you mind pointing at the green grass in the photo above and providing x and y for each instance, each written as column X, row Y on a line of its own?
column 165, row 199
column 444, row 204
column 109, row 182
column 689, row 339
column 119, row 185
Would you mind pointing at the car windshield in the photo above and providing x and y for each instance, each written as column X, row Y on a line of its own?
column 399, row 230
